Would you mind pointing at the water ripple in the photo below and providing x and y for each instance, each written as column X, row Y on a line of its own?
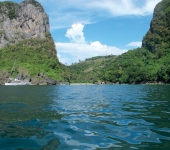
column 85, row 117
column 107, row 115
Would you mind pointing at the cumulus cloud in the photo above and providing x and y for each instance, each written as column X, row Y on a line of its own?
column 66, row 12
column 75, row 33
column 79, row 49
column 135, row 44
column 73, row 52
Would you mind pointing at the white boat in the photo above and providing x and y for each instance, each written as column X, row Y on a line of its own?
column 15, row 81
column 16, row 84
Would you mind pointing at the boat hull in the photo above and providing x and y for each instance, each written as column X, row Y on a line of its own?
column 16, row 84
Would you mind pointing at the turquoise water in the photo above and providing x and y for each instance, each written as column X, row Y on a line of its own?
column 85, row 117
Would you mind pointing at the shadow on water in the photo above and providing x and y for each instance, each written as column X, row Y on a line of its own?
column 23, row 112
column 85, row 117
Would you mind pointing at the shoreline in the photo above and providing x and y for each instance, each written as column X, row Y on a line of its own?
column 148, row 83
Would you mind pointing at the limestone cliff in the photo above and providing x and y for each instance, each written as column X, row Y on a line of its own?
column 22, row 21
column 25, row 39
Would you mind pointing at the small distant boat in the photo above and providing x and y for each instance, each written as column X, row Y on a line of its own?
column 16, row 84
column 15, row 81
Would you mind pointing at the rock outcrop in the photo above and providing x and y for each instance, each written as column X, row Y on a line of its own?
column 22, row 21
column 42, row 79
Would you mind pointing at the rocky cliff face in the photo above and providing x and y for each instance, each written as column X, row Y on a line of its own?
column 22, row 21
column 25, row 39
column 158, row 36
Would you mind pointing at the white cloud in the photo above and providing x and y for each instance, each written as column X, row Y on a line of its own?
column 150, row 5
column 73, row 52
column 125, row 7
column 79, row 49
column 135, row 44
column 75, row 33
column 66, row 12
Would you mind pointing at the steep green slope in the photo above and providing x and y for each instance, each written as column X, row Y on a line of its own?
column 90, row 70
column 139, row 66
column 157, row 38
column 135, row 66
column 32, row 57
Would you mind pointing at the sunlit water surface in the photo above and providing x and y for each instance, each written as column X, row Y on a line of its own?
column 85, row 117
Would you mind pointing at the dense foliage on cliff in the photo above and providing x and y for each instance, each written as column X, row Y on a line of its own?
column 134, row 66
column 90, row 70
column 9, row 9
column 32, row 57
column 139, row 66
column 157, row 38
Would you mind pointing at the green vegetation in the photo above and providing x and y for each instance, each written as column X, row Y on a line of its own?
column 32, row 57
column 90, row 70
column 134, row 66
column 157, row 38
column 138, row 66
column 35, row 3
column 9, row 8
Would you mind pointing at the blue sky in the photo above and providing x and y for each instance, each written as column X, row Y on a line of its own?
column 86, row 28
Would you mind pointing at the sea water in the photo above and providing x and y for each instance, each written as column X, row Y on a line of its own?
column 85, row 117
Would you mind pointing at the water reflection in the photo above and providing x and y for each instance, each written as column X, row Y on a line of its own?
column 85, row 117
column 112, row 114
column 24, row 110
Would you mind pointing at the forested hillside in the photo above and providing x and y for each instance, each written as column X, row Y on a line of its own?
column 149, row 64
column 34, row 58
column 135, row 66
column 90, row 70
column 139, row 66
